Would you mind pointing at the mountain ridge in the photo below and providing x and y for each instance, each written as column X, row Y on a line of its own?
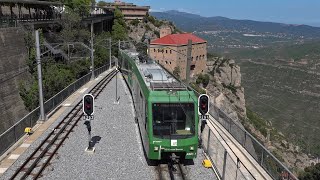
column 193, row 22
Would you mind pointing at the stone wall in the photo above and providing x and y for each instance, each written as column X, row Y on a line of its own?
column 176, row 56
column 13, row 69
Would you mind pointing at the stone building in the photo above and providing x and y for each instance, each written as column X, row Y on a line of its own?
column 129, row 10
column 171, row 51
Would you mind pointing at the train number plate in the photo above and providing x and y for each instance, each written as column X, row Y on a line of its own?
column 204, row 117
column 85, row 117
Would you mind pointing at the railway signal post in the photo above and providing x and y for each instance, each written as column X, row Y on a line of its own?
column 88, row 110
column 203, row 109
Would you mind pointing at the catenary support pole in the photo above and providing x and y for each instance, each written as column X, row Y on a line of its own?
column 92, row 50
column 42, row 114
column 110, row 53
column 188, row 61
column 117, row 99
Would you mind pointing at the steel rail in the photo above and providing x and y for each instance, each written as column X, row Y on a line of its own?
column 74, row 113
column 171, row 171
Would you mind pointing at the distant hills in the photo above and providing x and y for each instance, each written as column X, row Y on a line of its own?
column 192, row 22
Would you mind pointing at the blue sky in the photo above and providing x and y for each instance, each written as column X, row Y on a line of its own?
column 284, row 11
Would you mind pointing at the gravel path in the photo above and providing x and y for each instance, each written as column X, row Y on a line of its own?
column 197, row 171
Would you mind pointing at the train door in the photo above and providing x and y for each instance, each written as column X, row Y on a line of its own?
column 145, row 119
column 143, row 124
column 134, row 91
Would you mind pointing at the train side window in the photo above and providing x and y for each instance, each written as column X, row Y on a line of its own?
column 146, row 116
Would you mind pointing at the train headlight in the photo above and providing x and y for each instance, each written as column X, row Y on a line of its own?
column 156, row 148
column 191, row 148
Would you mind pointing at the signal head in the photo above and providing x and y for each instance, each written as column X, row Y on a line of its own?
column 88, row 104
column 203, row 104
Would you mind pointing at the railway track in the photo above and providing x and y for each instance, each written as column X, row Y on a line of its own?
column 36, row 163
column 172, row 171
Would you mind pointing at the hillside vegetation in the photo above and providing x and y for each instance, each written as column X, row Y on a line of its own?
column 296, row 52
column 57, row 74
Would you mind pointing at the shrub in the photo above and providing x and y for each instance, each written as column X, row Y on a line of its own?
column 157, row 33
column 311, row 173
column 148, row 28
column 135, row 22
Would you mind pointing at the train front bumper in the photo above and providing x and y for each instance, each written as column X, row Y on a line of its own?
column 164, row 150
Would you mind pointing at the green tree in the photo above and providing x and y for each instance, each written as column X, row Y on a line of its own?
column 73, row 29
column 118, row 32
column 55, row 78
column 199, row 79
column 119, row 29
column 81, row 7
column 135, row 22
column 102, row 3
column 205, row 80
column 177, row 71
column 101, row 48
column 29, row 94
column 311, row 173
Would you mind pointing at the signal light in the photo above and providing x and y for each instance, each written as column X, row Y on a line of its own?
column 203, row 104
column 88, row 104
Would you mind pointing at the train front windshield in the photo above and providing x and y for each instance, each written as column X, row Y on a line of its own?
column 173, row 120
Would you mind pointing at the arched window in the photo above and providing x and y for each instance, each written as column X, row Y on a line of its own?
column 154, row 50
column 197, row 58
column 166, row 51
column 170, row 51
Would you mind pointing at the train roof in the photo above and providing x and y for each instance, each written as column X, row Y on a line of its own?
column 155, row 76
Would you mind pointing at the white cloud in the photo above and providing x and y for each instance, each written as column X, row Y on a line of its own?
column 157, row 10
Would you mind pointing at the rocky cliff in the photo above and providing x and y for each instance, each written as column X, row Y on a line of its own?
column 140, row 30
column 225, row 87
column 13, row 69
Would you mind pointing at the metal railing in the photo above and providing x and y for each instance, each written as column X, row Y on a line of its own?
column 275, row 168
column 9, row 21
column 226, row 166
column 265, row 158
column 15, row 132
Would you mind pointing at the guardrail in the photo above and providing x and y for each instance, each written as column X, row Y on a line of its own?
column 8, row 21
column 226, row 166
column 266, row 159
column 15, row 132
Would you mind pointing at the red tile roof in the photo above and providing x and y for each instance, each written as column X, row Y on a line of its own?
column 178, row 39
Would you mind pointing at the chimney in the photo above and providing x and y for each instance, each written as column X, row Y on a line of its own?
column 165, row 31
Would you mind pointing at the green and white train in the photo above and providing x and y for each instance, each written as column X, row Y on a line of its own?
column 166, row 111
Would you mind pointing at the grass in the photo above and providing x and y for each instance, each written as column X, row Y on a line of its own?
column 259, row 123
